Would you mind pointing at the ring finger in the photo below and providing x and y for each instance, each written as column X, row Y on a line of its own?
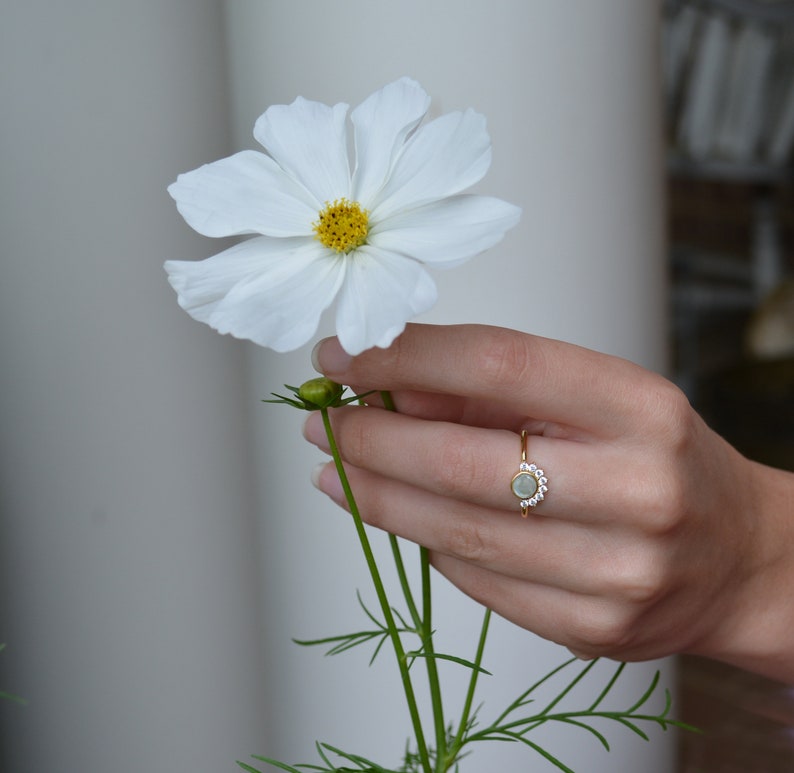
column 548, row 551
column 474, row 465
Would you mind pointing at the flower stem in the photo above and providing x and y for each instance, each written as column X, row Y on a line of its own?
column 433, row 681
column 424, row 624
column 380, row 591
column 424, row 627
column 457, row 744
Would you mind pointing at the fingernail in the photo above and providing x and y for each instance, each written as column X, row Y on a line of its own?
column 316, row 473
column 329, row 357
column 580, row 655
column 313, row 429
column 328, row 483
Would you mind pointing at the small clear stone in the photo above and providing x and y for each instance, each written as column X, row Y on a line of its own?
column 542, row 480
column 533, row 501
column 526, row 503
column 524, row 467
column 543, row 489
column 532, row 467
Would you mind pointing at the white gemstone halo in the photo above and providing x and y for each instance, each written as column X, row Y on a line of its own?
column 530, row 484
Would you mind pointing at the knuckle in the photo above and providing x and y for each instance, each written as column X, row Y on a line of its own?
column 460, row 468
column 663, row 502
column 468, row 541
column 505, row 358
column 355, row 436
column 639, row 582
column 672, row 417
column 602, row 629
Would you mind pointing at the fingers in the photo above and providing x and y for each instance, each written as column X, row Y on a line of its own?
column 540, row 550
column 588, row 625
column 544, row 379
column 475, row 466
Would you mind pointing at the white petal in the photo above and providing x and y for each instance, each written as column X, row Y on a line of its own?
column 381, row 292
column 269, row 291
column 245, row 193
column 442, row 158
column 382, row 122
column 308, row 140
column 447, row 232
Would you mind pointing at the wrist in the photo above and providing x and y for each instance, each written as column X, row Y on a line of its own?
column 756, row 629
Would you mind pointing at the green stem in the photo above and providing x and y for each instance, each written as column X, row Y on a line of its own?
column 424, row 625
column 457, row 744
column 433, row 681
column 388, row 400
column 402, row 576
column 380, row 591
column 424, row 628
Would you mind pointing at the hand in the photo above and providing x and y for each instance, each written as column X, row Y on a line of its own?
column 655, row 537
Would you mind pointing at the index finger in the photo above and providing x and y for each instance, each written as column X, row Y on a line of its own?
column 541, row 378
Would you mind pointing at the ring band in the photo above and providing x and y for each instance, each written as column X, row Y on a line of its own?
column 530, row 483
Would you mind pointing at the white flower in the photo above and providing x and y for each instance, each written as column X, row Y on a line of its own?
column 326, row 233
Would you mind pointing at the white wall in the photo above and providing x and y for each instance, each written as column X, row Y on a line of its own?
column 130, row 589
column 129, row 593
column 571, row 93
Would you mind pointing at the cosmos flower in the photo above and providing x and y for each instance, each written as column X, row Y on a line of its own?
column 327, row 231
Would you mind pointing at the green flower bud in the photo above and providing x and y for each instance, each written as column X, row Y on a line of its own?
column 320, row 392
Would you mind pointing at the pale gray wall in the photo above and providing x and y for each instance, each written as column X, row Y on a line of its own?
column 572, row 97
column 130, row 552
column 129, row 592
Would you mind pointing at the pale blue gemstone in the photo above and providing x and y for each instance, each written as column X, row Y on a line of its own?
column 524, row 485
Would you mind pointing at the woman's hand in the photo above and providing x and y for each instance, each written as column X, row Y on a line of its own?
column 655, row 536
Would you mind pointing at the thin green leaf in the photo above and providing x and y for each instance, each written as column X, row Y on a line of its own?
column 367, row 612
column 522, row 699
column 585, row 726
column 341, row 643
column 280, row 399
column 575, row 681
column 319, row 747
column 452, row 658
column 630, row 725
column 268, row 761
column 248, row 768
column 610, row 684
column 543, row 753
column 378, row 648
column 402, row 620
column 7, row 696
column 362, row 762
column 647, row 694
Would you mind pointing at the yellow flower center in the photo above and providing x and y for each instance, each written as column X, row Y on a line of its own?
column 342, row 226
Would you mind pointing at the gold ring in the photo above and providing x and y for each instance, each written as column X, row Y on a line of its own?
column 530, row 483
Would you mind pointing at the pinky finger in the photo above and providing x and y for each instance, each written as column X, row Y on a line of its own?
column 589, row 626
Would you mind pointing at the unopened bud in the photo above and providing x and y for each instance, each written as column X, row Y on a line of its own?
column 320, row 392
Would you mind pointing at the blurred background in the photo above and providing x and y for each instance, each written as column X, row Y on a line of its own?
column 159, row 541
column 729, row 90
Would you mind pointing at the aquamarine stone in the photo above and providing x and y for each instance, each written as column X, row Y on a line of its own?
column 524, row 485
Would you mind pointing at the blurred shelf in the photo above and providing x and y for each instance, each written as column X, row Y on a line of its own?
column 716, row 170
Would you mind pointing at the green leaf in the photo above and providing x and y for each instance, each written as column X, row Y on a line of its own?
column 451, row 658
column 543, row 753
column 647, row 694
column 362, row 762
column 610, row 684
column 268, row 761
